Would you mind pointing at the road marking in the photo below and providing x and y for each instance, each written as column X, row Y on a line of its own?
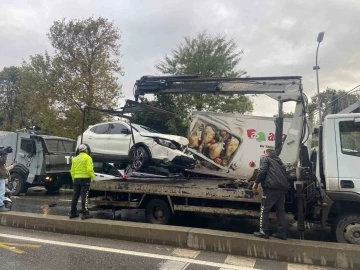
column 65, row 200
column 125, row 252
column 173, row 265
column 187, row 253
column 240, row 261
column 303, row 267
column 12, row 247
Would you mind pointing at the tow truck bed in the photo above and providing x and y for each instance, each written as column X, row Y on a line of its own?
column 216, row 189
column 162, row 197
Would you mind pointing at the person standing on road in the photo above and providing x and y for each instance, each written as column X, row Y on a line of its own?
column 274, row 182
column 3, row 177
column 82, row 173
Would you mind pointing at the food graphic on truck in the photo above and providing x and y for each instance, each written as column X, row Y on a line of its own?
column 229, row 143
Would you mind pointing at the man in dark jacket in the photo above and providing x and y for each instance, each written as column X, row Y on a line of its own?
column 274, row 182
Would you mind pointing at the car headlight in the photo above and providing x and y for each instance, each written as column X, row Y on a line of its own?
column 166, row 143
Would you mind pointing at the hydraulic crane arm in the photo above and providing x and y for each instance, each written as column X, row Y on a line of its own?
column 279, row 88
column 282, row 89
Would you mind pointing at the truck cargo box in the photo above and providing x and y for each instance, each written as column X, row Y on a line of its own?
column 231, row 143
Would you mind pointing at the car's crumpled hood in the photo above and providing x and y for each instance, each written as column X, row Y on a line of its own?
column 179, row 139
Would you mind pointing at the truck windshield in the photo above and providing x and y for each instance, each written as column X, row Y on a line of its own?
column 143, row 129
column 350, row 138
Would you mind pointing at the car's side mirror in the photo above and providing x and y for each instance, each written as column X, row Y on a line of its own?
column 125, row 131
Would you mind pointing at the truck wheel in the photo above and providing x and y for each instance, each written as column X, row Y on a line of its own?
column 52, row 186
column 140, row 158
column 17, row 184
column 346, row 229
column 158, row 211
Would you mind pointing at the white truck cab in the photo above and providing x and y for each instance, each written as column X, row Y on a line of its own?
column 342, row 153
column 341, row 156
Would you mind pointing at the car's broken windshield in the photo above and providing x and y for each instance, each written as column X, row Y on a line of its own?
column 143, row 129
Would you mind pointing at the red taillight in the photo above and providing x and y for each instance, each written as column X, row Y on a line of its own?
column 251, row 163
column 125, row 176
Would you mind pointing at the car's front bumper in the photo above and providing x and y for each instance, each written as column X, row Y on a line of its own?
column 171, row 158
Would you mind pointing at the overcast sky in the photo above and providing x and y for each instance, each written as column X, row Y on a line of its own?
column 278, row 37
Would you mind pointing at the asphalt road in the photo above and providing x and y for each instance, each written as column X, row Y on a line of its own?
column 26, row 249
column 37, row 200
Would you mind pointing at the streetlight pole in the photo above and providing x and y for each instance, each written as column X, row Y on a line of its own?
column 316, row 68
column 320, row 151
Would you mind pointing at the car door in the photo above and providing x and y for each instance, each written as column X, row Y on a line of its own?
column 96, row 139
column 117, row 143
column 348, row 154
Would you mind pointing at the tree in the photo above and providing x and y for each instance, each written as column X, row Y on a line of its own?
column 208, row 56
column 84, row 70
column 328, row 98
column 10, row 96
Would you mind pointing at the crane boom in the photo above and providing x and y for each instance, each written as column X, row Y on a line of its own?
column 279, row 88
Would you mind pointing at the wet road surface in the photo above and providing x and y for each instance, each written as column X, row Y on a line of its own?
column 27, row 249
column 37, row 200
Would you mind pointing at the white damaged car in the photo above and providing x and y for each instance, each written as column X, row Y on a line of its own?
column 113, row 142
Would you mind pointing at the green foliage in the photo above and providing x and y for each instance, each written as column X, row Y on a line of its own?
column 207, row 56
column 326, row 102
column 10, row 96
column 50, row 89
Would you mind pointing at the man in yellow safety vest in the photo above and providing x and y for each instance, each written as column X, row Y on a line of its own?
column 82, row 173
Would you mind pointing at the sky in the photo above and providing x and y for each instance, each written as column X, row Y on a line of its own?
column 278, row 37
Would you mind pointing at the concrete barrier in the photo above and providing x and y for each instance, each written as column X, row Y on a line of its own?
column 336, row 255
column 131, row 231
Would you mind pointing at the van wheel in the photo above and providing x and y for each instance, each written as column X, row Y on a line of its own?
column 346, row 229
column 17, row 184
column 158, row 211
column 140, row 158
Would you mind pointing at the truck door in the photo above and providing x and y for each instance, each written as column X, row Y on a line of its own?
column 348, row 154
column 30, row 155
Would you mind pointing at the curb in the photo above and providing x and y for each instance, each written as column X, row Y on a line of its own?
column 323, row 254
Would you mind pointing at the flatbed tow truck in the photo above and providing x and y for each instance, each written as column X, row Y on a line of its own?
column 324, row 186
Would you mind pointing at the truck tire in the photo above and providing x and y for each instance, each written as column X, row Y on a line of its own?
column 140, row 158
column 346, row 228
column 53, row 186
column 158, row 211
column 17, row 184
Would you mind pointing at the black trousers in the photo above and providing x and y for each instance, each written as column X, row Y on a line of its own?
column 81, row 187
column 271, row 198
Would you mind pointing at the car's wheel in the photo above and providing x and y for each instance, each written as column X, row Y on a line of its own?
column 346, row 229
column 17, row 184
column 158, row 211
column 140, row 158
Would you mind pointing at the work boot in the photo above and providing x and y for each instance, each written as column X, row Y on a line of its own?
column 261, row 235
column 281, row 236
column 86, row 215
column 73, row 215
column 4, row 209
